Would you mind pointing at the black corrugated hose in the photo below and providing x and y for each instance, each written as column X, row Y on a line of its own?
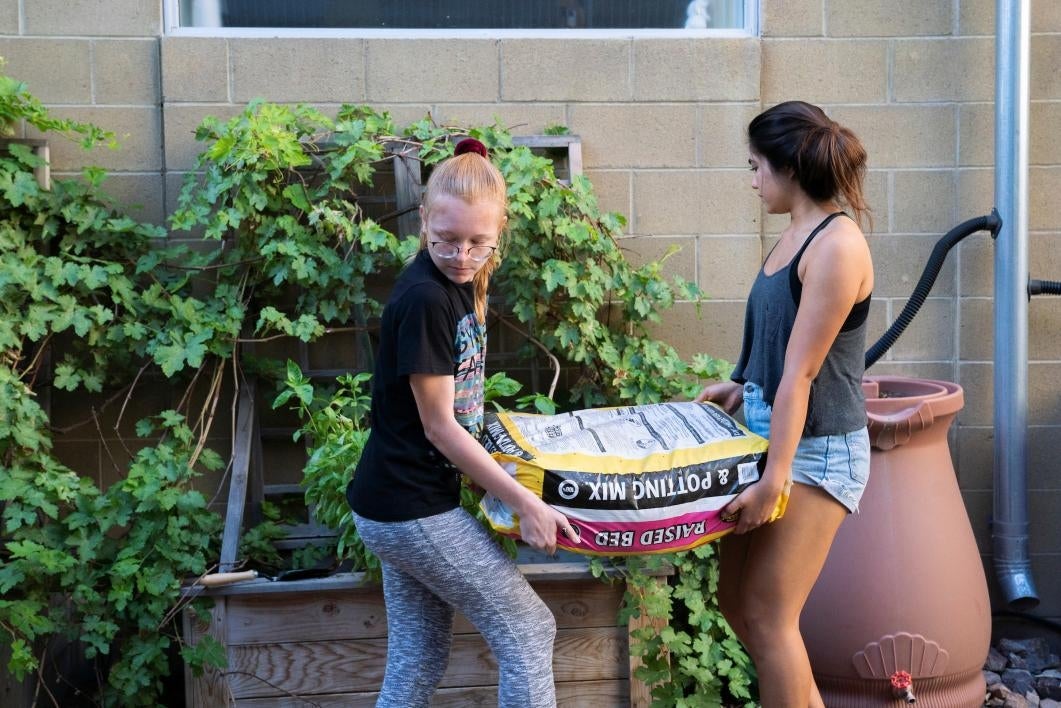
column 1044, row 287
column 992, row 222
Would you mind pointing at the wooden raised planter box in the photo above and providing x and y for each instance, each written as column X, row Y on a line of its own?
column 325, row 641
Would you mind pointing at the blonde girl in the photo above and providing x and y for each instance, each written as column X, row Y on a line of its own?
column 427, row 413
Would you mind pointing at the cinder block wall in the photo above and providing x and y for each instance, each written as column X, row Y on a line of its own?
column 662, row 123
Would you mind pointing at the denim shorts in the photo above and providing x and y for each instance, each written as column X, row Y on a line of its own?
column 838, row 464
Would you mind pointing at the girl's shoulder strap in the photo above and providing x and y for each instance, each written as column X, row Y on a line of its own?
column 794, row 284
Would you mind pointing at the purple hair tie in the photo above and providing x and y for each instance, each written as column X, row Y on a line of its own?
column 471, row 145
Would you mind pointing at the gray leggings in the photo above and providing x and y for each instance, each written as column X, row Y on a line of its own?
column 447, row 561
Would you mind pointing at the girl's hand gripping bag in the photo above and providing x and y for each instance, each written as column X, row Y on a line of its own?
column 632, row 480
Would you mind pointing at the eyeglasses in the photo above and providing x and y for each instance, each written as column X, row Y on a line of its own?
column 448, row 250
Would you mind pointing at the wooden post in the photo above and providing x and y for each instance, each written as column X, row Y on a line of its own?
column 640, row 692
column 211, row 689
column 237, row 486
column 12, row 692
column 407, row 188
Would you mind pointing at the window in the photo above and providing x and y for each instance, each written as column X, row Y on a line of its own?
column 466, row 14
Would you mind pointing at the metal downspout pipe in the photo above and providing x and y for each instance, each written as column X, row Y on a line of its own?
column 1010, row 517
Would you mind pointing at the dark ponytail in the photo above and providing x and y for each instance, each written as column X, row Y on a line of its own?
column 825, row 158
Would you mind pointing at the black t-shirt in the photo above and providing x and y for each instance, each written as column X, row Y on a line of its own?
column 428, row 327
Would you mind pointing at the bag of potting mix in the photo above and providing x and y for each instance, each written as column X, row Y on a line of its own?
column 632, row 480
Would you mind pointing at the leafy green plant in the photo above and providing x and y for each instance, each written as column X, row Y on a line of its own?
column 102, row 567
column 695, row 660
column 290, row 254
column 105, row 568
column 18, row 104
column 334, row 425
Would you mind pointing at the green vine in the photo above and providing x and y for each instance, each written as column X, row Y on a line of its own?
column 18, row 104
column 695, row 661
column 271, row 241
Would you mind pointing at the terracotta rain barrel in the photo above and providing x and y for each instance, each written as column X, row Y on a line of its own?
column 902, row 599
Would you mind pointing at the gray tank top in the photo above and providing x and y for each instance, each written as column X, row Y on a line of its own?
column 836, row 404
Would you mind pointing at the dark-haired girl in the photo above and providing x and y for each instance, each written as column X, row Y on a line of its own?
column 799, row 377
column 427, row 413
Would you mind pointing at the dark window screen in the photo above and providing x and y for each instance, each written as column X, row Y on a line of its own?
column 477, row 14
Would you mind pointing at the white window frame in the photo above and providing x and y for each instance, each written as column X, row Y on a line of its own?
column 172, row 26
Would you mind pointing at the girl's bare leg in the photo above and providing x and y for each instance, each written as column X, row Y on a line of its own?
column 766, row 577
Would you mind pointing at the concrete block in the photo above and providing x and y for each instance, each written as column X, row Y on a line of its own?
column 1044, row 253
column 899, row 18
column 1044, row 128
column 877, row 325
column 937, row 370
column 898, row 262
column 55, row 70
column 976, row 193
column 614, row 189
column 407, row 114
column 459, row 70
column 1044, row 321
column 1046, row 16
column 793, row 18
column 875, row 190
column 1044, row 208
column 194, row 69
column 636, row 135
column 518, row 118
column 696, row 70
column 125, row 71
column 975, row 463
column 103, row 18
column 825, row 70
column 140, row 196
column 978, row 507
column 289, row 70
column 180, row 122
column 643, row 249
column 728, row 265
column 9, row 16
column 717, row 331
column 924, row 201
column 1042, row 457
column 904, row 136
column 1045, row 79
column 976, row 333
column 976, row 256
column 678, row 202
column 935, row 70
column 1044, row 403
column 565, row 70
column 976, row 134
column 136, row 129
column 930, row 337
column 977, row 380
column 723, row 134
column 978, row 17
